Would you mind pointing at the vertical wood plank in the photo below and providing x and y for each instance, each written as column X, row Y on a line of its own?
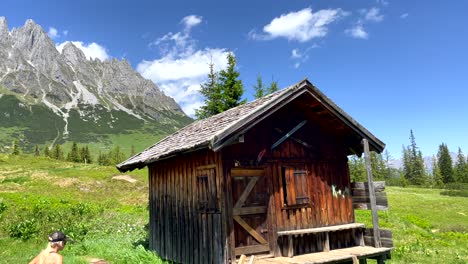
column 370, row 181
column 271, row 213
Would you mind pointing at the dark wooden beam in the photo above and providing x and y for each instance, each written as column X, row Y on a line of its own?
column 370, row 181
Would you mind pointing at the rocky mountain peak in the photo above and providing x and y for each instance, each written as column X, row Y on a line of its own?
column 77, row 89
column 73, row 54
column 4, row 33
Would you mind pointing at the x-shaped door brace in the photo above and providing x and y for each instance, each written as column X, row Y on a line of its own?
column 238, row 206
column 289, row 134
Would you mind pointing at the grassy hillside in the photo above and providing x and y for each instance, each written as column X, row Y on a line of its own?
column 107, row 217
column 35, row 124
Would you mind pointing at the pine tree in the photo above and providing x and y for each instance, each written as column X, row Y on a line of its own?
column 57, row 152
column 116, row 156
column 212, row 94
column 259, row 88
column 357, row 169
column 413, row 163
column 407, row 165
column 74, row 155
column 231, row 87
column 273, row 87
column 37, row 152
column 46, row 151
column 87, row 155
column 379, row 170
column 460, row 167
column 444, row 161
column 436, row 176
column 387, row 157
column 15, row 148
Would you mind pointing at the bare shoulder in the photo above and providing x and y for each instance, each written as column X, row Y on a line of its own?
column 54, row 259
column 37, row 259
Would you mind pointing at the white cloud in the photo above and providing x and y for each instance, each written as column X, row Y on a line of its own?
column 53, row 33
column 382, row 2
column 182, row 66
column 65, row 32
column 91, row 50
column 191, row 21
column 296, row 54
column 374, row 15
column 302, row 25
column 403, row 16
column 357, row 32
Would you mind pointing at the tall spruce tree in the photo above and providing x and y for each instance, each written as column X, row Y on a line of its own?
column 273, row 87
column 74, row 155
column 46, row 151
column 231, row 87
column 37, row 152
column 222, row 91
column 357, row 169
column 444, row 161
column 57, row 152
column 460, row 167
column 15, row 148
column 212, row 93
column 259, row 88
column 413, row 163
column 436, row 176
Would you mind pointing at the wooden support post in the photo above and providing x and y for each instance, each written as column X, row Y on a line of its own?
column 290, row 246
column 370, row 181
column 326, row 244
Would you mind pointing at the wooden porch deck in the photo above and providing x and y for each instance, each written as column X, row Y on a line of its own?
column 353, row 254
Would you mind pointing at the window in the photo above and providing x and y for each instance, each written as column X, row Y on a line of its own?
column 206, row 191
column 295, row 185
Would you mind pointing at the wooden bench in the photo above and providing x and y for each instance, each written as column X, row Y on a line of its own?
column 326, row 230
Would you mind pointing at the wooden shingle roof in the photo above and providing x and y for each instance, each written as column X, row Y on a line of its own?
column 217, row 131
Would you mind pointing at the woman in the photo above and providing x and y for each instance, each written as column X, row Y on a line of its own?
column 50, row 255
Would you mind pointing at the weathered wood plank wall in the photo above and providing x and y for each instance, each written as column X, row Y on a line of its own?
column 186, row 199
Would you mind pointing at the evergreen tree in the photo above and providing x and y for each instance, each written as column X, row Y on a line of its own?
column 379, row 170
column 36, row 151
column 46, row 151
column 436, row 176
column 444, row 161
column 273, row 87
column 74, row 155
column 103, row 159
column 259, row 88
column 387, row 157
column 231, row 87
column 460, row 167
column 357, row 169
column 86, row 156
column 212, row 94
column 413, row 163
column 116, row 156
column 15, row 148
column 57, row 152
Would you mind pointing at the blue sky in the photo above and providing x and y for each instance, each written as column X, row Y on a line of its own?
column 392, row 65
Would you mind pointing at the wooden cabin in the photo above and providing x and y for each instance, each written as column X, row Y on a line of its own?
column 269, row 177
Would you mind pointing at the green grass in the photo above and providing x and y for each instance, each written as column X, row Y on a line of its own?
column 107, row 218
column 426, row 226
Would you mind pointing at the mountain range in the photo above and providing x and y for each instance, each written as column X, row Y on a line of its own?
column 49, row 96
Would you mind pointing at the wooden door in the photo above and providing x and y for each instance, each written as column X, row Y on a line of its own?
column 250, row 205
